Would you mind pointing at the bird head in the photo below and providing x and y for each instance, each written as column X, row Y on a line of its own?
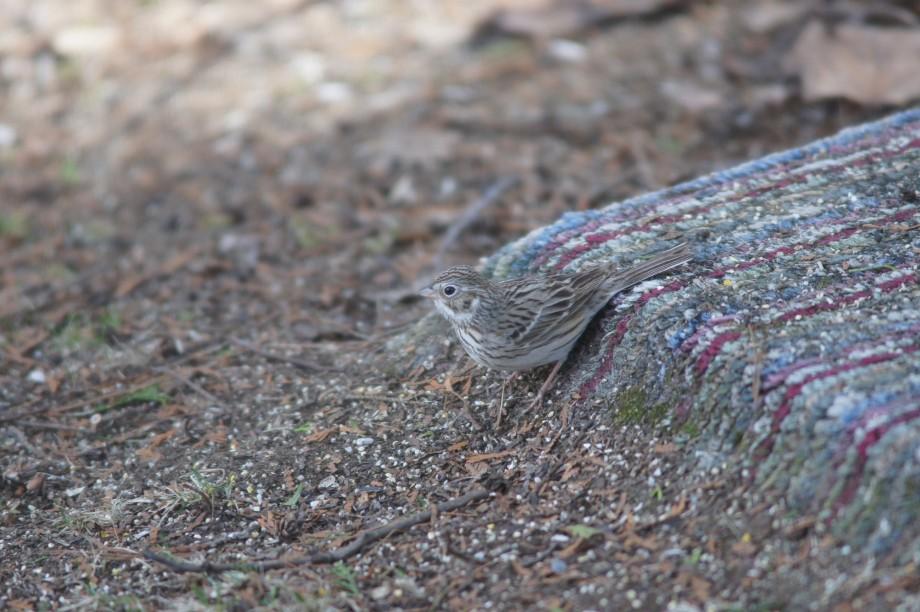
column 457, row 293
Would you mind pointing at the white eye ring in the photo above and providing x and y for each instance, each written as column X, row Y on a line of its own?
column 449, row 290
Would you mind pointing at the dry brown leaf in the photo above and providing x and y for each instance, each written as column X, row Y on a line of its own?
column 54, row 383
column 680, row 506
column 267, row 522
column 195, row 523
column 700, row 587
column 489, row 456
column 577, row 546
column 149, row 455
column 571, row 469
column 216, row 436
column 631, row 540
column 520, row 570
column 866, row 64
column 800, row 528
column 744, row 548
column 320, row 434
column 155, row 442
column 36, row 483
column 665, row 568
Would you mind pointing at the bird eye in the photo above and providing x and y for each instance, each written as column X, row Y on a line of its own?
column 449, row 290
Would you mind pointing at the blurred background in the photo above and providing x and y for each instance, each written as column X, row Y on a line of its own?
column 203, row 205
column 324, row 154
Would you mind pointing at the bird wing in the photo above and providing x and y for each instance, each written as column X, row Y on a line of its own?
column 535, row 308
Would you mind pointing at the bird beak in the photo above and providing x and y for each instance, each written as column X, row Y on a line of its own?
column 426, row 292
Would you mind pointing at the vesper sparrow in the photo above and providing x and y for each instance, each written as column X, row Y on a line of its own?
column 522, row 323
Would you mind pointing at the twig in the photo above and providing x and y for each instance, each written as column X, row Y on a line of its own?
column 191, row 384
column 33, row 408
column 372, row 398
column 488, row 198
column 339, row 554
column 539, row 557
column 48, row 425
column 467, row 411
column 169, row 267
column 327, row 322
column 301, row 363
column 104, row 397
column 14, row 356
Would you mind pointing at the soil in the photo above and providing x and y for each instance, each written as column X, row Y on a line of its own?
column 212, row 220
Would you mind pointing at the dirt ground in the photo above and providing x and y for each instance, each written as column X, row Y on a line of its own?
column 212, row 219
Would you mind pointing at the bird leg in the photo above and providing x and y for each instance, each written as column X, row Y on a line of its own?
column 501, row 406
column 507, row 380
column 547, row 384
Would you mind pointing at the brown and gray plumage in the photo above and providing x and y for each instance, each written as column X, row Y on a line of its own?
column 522, row 323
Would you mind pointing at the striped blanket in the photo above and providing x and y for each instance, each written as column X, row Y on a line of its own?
column 790, row 347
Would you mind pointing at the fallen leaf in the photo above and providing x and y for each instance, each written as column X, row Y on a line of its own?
column 196, row 522
column 520, row 570
column 800, row 528
column 149, row 452
column 744, row 548
column 434, row 385
column 631, row 541
column 268, row 523
column 579, row 545
column 476, row 469
column 571, row 470
column 35, row 483
column 866, row 64
column 700, row 587
column 680, row 506
column 489, row 456
column 320, row 435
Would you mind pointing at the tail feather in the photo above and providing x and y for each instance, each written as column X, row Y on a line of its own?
column 662, row 262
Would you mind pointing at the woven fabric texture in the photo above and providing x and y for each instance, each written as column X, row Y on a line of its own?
column 790, row 347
